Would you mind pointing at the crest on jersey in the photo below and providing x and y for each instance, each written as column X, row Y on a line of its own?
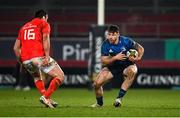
column 110, row 51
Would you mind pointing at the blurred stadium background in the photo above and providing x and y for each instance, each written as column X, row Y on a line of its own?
column 153, row 23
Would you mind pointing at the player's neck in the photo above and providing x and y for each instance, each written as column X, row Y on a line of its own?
column 117, row 41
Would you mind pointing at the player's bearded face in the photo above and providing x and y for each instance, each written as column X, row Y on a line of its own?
column 112, row 37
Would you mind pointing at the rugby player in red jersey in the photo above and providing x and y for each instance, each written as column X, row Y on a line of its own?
column 32, row 49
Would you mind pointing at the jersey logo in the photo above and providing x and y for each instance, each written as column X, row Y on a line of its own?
column 110, row 51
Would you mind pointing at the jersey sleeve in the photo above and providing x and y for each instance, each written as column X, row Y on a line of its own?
column 46, row 28
column 104, row 50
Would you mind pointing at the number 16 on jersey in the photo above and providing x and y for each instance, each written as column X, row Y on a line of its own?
column 29, row 34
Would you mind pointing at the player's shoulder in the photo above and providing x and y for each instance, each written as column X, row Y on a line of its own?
column 105, row 43
column 24, row 26
column 125, row 38
column 45, row 24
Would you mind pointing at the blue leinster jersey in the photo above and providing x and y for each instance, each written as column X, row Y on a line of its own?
column 124, row 44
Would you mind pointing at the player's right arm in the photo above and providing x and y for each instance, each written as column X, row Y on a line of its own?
column 17, row 47
column 107, row 60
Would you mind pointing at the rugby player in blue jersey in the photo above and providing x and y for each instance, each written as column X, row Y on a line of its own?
column 115, row 62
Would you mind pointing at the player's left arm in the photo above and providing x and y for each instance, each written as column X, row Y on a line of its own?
column 140, row 50
column 17, row 49
column 46, row 46
column 46, row 42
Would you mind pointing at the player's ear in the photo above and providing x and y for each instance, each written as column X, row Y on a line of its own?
column 44, row 18
column 118, row 33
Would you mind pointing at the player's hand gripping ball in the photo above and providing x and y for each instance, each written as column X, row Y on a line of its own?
column 132, row 52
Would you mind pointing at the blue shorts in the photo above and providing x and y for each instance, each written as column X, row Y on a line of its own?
column 117, row 70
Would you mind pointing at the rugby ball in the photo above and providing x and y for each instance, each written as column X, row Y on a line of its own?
column 132, row 52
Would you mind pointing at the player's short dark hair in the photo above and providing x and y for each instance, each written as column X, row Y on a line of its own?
column 113, row 28
column 40, row 13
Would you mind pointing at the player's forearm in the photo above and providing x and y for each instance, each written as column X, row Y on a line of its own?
column 46, row 49
column 106, row 60
column 17, row 52
column 140, row 50
column 17, row 48
column 46, row 45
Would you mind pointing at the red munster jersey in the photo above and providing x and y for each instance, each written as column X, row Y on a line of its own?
column 31, row 38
